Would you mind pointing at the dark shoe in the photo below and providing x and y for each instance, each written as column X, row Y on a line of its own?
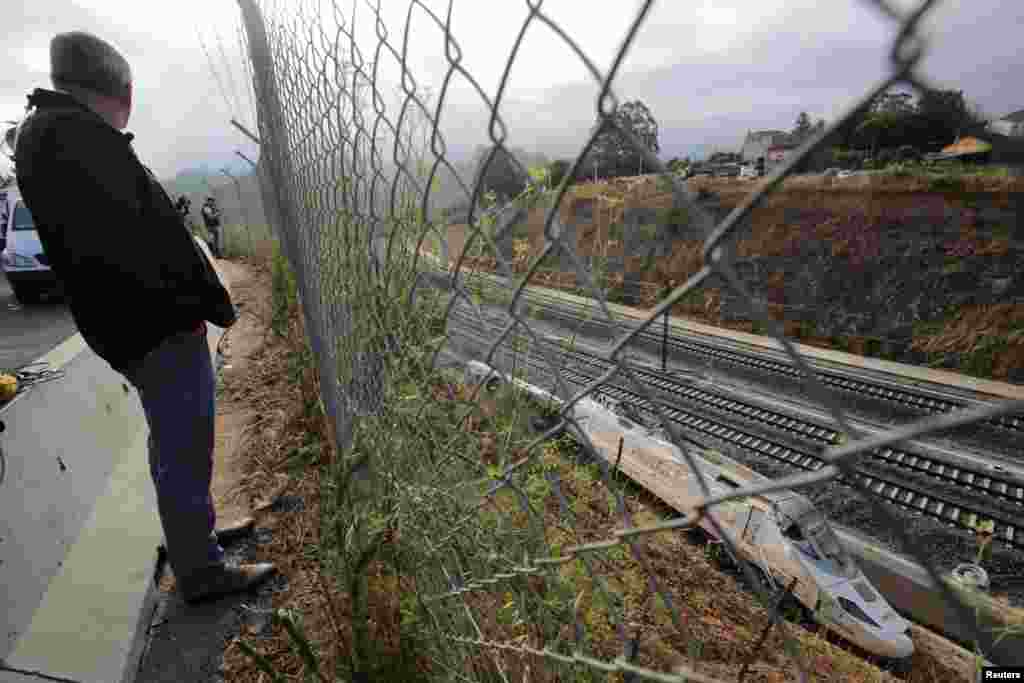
column 218, row 581
column 229, row 534
column 225, row 535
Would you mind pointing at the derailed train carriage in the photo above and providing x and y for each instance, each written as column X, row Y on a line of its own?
column 781, row 533
column 787, row 538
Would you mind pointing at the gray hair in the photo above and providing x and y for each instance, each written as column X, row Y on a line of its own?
column 79, row 59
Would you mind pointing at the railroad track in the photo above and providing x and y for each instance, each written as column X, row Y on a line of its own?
column 988, row 482
column 920, row 401
column 893, row 475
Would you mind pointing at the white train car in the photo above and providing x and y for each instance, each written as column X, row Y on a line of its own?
column 788, row 539
column 780, row 533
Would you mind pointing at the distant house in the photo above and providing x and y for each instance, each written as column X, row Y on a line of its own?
column 983, row 145
column 778, row 154
column 1011, row 125
column 970, row 149
column 756, row 144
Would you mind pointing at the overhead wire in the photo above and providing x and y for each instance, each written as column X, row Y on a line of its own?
column 213, row 70
column 249, row 84
column 236, row 101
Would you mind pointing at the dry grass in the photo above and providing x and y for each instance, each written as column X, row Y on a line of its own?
column 721, row 620
column 992, row 338
column 271, row 439
column 861, row 184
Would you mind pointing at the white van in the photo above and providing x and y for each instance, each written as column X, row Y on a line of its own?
column 22, row 260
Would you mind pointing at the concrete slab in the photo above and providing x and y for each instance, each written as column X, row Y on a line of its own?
column 85, row 626
column 78, row 540
column 62, row 441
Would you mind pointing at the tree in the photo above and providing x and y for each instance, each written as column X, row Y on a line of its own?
column 881, row 129
column 943, row 115
column 725, row 158
column 541, row 177
column 803, row 131
column 504, row 176
column 803, row 128
column 557, row 170
column 612, row 154
column 897, row 103
column 677, row 165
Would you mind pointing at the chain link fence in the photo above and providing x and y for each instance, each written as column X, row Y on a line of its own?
column 388, row 312
column 244, row 225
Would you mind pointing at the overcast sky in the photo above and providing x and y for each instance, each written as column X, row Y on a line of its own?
column 708, row 69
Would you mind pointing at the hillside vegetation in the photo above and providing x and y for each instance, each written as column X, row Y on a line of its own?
column 918, row 267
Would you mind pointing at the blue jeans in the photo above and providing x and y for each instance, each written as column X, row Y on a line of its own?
column 177, row 388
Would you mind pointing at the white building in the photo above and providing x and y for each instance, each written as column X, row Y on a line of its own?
column 1011, row 125
column 776, row 155
column 757, row 143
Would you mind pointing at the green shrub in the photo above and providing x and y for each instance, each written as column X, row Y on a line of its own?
column 901, row 169
column 847, row 158
column 283, row 292
column 557, row 170
column 908, row 153
column 980, row 362
column 676, row 220
column 952, row 182
column 886, row 157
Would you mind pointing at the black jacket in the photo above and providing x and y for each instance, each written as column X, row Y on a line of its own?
column 132, row 272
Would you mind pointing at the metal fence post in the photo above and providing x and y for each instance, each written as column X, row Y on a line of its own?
column 280, row 177
column 664, row 345
column 664, row 333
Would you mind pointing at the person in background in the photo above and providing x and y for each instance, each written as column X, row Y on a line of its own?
column 211, row 218
column 141, row 290
column 183, row 205
column 3, row 219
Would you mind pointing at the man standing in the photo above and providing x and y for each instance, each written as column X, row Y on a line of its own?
column 140, row 289
column 211, row 217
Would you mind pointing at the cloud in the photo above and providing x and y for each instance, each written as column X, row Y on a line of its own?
column 709, row 71
column 796, row 56
column 180, row 118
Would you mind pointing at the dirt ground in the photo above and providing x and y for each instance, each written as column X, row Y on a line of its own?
column 234, row 413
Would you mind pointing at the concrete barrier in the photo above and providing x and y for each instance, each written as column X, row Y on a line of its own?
column 78, row 523
column 909, row 589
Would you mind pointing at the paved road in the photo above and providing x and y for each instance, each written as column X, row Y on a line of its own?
column 62, row 441
column 28, row 332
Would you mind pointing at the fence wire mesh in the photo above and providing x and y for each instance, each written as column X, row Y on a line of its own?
column 243, row 222
column 347, row 185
